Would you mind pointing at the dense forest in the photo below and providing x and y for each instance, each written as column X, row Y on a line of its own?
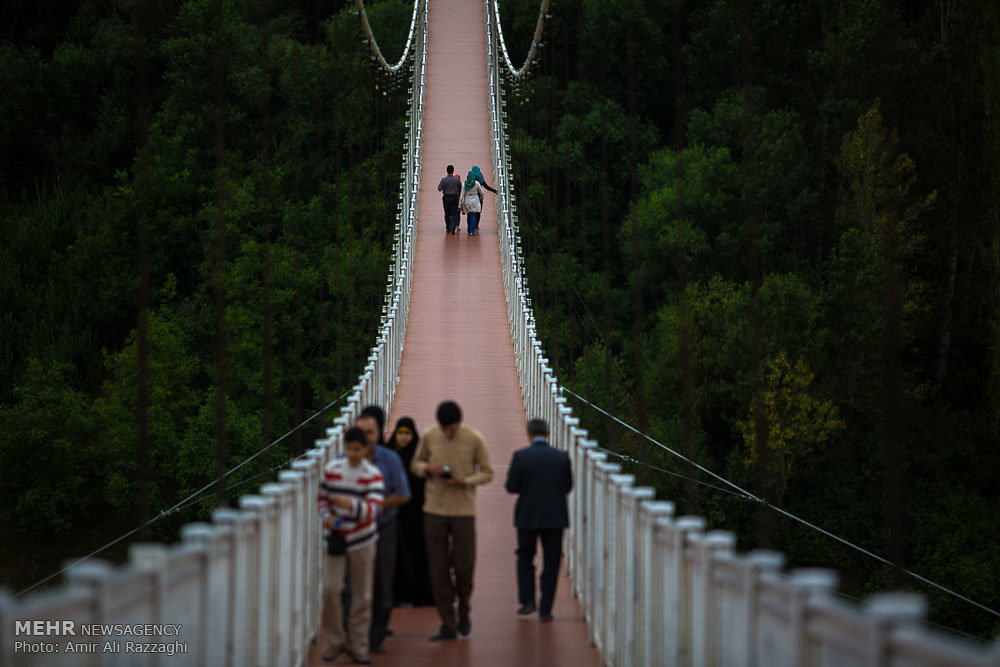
column 767, row 233
column 197, row 205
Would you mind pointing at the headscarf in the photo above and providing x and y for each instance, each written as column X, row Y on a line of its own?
column 470, row 180
column 478, row 174
column 406, row 423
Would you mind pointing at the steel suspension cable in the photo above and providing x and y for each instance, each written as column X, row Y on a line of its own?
column 202, row 493
column 376, row 51
column 507, row 215
column 536, row 40
column 750, row 496
column 189, row 500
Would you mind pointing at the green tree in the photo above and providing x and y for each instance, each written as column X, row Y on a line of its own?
column 798, row 424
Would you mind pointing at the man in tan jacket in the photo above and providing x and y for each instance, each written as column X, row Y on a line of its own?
column 454, row 460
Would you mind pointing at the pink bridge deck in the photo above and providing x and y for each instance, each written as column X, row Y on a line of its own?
column 458, row 347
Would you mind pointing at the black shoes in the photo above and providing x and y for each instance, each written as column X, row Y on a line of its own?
column 464, row 626
column 443, row 635
column 530, row 608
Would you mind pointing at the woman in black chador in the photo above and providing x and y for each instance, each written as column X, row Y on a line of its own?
column 413, row 579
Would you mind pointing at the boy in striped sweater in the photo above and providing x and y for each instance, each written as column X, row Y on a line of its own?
column 350, row 499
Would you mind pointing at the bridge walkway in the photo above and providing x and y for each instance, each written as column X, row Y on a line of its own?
column 458, row 346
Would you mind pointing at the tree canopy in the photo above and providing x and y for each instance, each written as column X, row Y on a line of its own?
column 768, row 235
column 198, row 200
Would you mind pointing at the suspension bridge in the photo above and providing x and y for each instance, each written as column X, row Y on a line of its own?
column 640, row 586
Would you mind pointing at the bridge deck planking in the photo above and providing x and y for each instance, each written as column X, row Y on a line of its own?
column 458, row 346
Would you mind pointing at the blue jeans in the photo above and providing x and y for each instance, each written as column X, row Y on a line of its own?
column 473, row 221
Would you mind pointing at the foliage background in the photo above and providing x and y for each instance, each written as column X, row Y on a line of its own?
column 265, row 115
column 767, row 234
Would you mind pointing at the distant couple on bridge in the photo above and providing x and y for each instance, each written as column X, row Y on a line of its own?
column 452, row 460
column 458, row 198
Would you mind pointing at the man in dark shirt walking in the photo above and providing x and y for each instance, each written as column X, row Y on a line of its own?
column 450, row 188
column 541, row 476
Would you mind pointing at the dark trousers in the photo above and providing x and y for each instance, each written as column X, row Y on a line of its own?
column 385, row 571
column 451, row 550
column 451, row 215
column 551, row 555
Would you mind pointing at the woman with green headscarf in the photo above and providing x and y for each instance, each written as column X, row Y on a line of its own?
column 477, row 172
column 481, row 180
column 471, row 202
column 475, row 176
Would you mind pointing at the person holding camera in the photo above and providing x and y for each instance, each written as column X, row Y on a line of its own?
column 454, row 461
column 349, row 502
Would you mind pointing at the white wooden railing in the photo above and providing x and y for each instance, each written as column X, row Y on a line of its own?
column 657, row 589
column 245, row 589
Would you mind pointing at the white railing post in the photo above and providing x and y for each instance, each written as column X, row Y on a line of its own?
column 740, row 643
column 283, row 542
column 677, row 598
column 214, row 587
column 299, row 527
column 315, row 551
column 238, row 611
column 706, row 611
column 95, row 576
column 582, row 520
column 889, row 612
column 808, row 584
column 536, row 375
column 647, row 629
column 601, row 546
column 572, row 448
column 261, row 584
column 310, row 467
column 619, row 553
column 630, row 597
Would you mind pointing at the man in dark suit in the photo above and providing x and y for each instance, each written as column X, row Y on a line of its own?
column 541, row 476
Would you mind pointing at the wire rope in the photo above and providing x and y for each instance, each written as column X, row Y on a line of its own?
column 629, row 459
column 517, row 72
column 199, row 495
column 502, row 156
column 786, row 513
column 373, row 44
column 191, row 499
